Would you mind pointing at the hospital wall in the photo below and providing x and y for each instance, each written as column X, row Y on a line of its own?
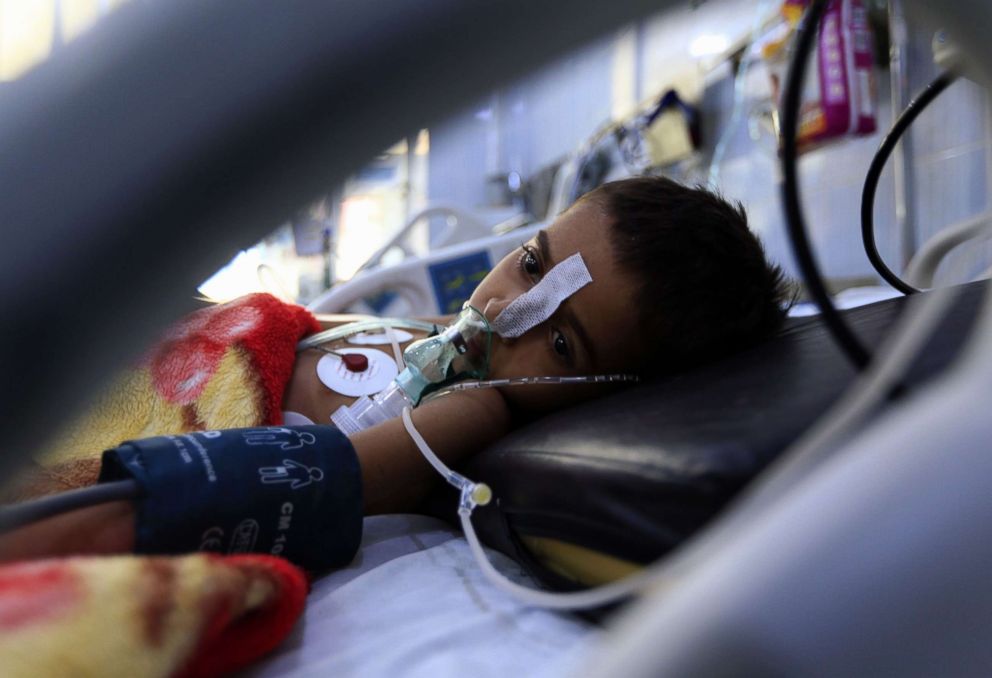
column 537, row 121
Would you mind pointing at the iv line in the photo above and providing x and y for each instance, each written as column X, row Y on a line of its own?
column 479, row 494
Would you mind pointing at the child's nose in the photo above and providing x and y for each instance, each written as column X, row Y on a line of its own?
column 494, row 307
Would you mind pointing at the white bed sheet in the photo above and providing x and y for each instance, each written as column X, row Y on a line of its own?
column 414, row 603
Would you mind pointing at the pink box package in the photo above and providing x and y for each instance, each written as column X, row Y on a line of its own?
column 838, row 97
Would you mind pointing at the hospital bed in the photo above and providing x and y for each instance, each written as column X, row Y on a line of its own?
column 70, row 224
column 423, row 286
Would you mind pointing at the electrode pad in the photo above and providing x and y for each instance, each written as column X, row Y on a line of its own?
column 336, row 376
column 541, row 301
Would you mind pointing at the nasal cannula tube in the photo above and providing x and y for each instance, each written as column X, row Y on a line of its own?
column 529, row 381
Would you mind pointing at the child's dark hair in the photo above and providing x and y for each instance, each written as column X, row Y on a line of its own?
column 705, row 288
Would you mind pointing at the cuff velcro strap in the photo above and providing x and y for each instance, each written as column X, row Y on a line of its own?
column 292, row 491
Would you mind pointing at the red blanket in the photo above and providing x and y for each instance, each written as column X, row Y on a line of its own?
column 197, row 615
column 224, row 366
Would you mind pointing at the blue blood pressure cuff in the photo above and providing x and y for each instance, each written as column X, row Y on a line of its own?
column 292, row 491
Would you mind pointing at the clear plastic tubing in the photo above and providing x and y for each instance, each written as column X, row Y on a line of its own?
column 479, row 494
column 343, row 331
column 366, row 412
column 460, row 350
column 531, row 381
column 388, row 404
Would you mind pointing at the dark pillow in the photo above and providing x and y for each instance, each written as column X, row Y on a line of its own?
column 634, row 474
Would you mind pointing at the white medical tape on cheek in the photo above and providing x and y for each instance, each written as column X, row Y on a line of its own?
column 539, row 303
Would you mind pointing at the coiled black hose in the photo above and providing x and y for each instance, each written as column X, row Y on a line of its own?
column 906, row 118
column 791, row 204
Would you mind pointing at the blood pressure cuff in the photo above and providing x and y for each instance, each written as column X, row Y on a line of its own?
column 291, row 491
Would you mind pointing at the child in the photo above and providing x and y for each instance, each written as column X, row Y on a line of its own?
column 677, row 278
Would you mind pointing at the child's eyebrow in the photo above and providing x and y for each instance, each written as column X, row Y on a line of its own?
column 544, row 249
column 564, row 311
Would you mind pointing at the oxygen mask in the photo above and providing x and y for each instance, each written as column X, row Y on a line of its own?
column 459, row 351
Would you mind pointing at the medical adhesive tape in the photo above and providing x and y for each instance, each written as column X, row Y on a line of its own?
column 541, row 301
column 291, row 491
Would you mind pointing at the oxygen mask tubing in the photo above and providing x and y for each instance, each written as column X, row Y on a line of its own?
column 460, row 351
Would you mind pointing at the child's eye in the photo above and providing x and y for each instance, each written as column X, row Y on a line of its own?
column 560, row 345
column 530, row 263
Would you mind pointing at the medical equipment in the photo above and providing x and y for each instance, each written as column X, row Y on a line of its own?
column 103, row 302
column 906, row 118
column 922, row 268
column 525, row 381
column 472, row 494
column 359, row 327
column 747, row 58
column 540, row 302
column 437, row 283
column 288, row 491
column 25, row 513
column 353, row 362
column 379, row 338
column 795, row 223
column 460, row 226
column 791, row 201
column 459, row 351
column 462, row 349
column 378, row 370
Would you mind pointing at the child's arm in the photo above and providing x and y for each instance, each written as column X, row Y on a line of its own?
column 395, row 477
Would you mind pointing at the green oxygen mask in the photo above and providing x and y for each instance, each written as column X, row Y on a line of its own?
column 459, row 351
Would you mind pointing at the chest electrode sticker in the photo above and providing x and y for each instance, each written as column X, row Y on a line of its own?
column 333, row 373
column 379, row 338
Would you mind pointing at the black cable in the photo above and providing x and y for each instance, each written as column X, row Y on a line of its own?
column 906, row 118
column 18, row 515
column 792, row 206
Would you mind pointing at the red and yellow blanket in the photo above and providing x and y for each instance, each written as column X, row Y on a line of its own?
column 196, row 615
column 225, row 366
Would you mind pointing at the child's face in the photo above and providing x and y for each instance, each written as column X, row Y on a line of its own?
column 593, row 332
